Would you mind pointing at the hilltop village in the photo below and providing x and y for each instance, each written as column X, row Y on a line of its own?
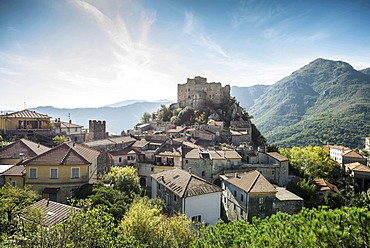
column 202, row 156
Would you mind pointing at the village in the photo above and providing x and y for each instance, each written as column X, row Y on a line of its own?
column 209, row 172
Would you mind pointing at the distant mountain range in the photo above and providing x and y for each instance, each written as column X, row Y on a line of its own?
column 324, row 102
column 119, row 118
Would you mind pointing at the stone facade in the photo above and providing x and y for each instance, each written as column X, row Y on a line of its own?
column 197, row 92
column 97, row 131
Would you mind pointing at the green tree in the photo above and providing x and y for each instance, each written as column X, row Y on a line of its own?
column 12, row 201
column 146, row 117
column 145, row 222
column 313, row 162
column 124, row 179
column 306, row 190
column 58, row 140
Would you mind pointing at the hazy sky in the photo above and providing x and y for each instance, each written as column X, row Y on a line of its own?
column 86, row 53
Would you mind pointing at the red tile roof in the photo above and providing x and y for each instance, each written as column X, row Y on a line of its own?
column 28, row 148
column 322, row 185
column 252, row 182
column 357, row 167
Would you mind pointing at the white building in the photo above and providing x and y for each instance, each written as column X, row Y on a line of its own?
column 186, row 193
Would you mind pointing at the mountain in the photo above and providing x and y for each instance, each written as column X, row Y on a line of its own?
column 247, row 95
column 117, row 118
column 324, row 102
column 129, row 102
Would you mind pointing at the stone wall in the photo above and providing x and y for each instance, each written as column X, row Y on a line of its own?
column 97, row 131
column 197, row 92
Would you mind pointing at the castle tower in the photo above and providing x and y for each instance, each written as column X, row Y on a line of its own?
column 198, row 92
column 97, row 131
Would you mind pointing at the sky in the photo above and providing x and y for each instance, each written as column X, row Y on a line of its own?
column 91, row 53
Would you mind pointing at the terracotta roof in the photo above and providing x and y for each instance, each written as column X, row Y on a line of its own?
column 124, row 151
column 277, row 156
column 252, row 182
column 339, row 147
column 28, row 148
column 67, row 153
column 191, row 153
column 322, row 185
column 15, row 170
column 140, row 143
column 352, row 154
column 357, row 167
column 178, row 129
column 26, row 114
column 53, row 212
column 185, row 184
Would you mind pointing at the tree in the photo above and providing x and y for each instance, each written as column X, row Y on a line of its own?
column 124, row 179
column 313, row 162
column 58, row 140
column 12, row 201
column 145, row 222
column 146, row 117
column 322, row 227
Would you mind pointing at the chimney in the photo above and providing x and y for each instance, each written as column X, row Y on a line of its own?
column 21, row 157
column 162, row 178
column 47, row 202
column 189, row 170
column 70, row 121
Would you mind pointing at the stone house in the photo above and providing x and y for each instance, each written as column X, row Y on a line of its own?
column 358, row 175
column 287, row 202
column 62, row 169
column 247, row 195
column 186, row 193
column 107, row 145
column 97, row 131
column 20, row 150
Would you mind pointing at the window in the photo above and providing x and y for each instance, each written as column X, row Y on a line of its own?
column 33, row 173
column 53, row 197
column 130, row 157
column 68, row 130
column 235, row 162
column 241, row 197
column 203, row 173
column 53, row 173
column 273, row 172
column 170, row 160
column 219, row 163
column 75, row 129
column 261, row 200
column 159, row 186
column 186, row 161
column 197, row 218
column 235, row 193
column 13, row 183
column 90, row 168
column 119, row 160
column 75, row 172
column 174, row 198
column 167, row 199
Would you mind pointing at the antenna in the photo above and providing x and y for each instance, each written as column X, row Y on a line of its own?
column 24, row 105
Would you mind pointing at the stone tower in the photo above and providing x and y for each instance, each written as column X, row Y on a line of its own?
column 197, row 93
column 97, row 131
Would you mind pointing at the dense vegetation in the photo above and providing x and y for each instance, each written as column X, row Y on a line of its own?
column 325, row 102
column 345, row 227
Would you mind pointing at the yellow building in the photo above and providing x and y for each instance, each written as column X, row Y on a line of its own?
column 24, row 122
column 14, row 176
column 59, row 171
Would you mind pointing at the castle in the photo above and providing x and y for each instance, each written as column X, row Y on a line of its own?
column 197, row 93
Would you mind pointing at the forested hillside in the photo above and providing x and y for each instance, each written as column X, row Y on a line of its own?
column 325, row 102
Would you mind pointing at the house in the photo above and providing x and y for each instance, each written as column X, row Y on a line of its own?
column 3, row 168
column 52, row 213
column 287, row 202
column 107, row 145
column 20, row 150
column 323, row 187
column 24, row 123
column 59, row 171
column 186, row 193
column 358, row 175
column 14, row 175
column 74, row 132
column 344, row 155
column 125, row 156
column 367, row 143
column 247, row 195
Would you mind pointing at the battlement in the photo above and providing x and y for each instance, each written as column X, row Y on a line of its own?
column 197, row 92
column 97, row 130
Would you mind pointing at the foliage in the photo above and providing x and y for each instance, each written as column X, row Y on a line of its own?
column 125, row 180
column 146, row 223
column 312, row 162
column 12, row 201
column 146, row 117
column 361, row 199
column 91, row 228
column 306, row 190
column 58, row 140
column 344, row 227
